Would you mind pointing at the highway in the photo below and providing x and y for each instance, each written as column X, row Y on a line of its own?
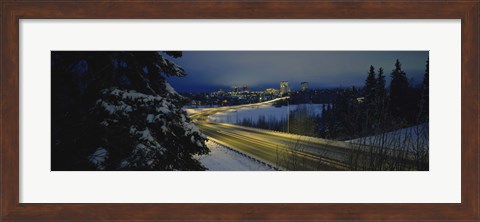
column 205, row 112
column 283, row 150
column 278, row 149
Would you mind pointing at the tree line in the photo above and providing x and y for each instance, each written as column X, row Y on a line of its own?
column 376, row 108
column 386, row 126
column 301, row 121
column 351, row 113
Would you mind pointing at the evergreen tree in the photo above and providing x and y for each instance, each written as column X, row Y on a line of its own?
column 369, row 102
column 115, row 111
column 380, row 88
column 354, row 92
column 380, row 93
column 424, row 100
column 398, row 91
column 380, row 112
column 370, row 85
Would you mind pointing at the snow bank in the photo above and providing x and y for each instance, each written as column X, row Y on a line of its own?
column 410, row 138
column 223, row 159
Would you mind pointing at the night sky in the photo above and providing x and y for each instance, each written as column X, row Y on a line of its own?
column 208, row 71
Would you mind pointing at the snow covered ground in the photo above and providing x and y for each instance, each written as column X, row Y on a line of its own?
column 234, row 116
column 412, row 138
column 223, row 159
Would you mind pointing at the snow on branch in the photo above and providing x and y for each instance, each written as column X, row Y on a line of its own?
column 145, row 131
column 169, row 68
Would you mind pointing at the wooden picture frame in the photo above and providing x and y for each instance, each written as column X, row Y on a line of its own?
column 12, row 11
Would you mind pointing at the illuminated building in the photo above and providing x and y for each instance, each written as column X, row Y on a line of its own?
column 235, row 89
column 304, row 86
column 284, row 87
column 271, row 91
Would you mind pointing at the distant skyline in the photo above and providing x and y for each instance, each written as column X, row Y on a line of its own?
column 209, row 71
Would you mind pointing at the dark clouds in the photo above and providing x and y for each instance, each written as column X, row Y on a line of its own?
column 210, row 70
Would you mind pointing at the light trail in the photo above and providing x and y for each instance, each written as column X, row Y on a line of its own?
column 287, row 151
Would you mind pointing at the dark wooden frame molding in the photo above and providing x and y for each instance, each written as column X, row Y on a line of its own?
column 14, row 10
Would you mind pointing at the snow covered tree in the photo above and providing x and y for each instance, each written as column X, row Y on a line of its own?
column 115, row 111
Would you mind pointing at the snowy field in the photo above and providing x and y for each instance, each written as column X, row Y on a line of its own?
column 411, row 138
column 234, row 116
column 223, row 159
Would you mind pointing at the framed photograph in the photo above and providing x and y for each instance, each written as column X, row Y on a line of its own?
column 236, row 110
column 245, row 119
